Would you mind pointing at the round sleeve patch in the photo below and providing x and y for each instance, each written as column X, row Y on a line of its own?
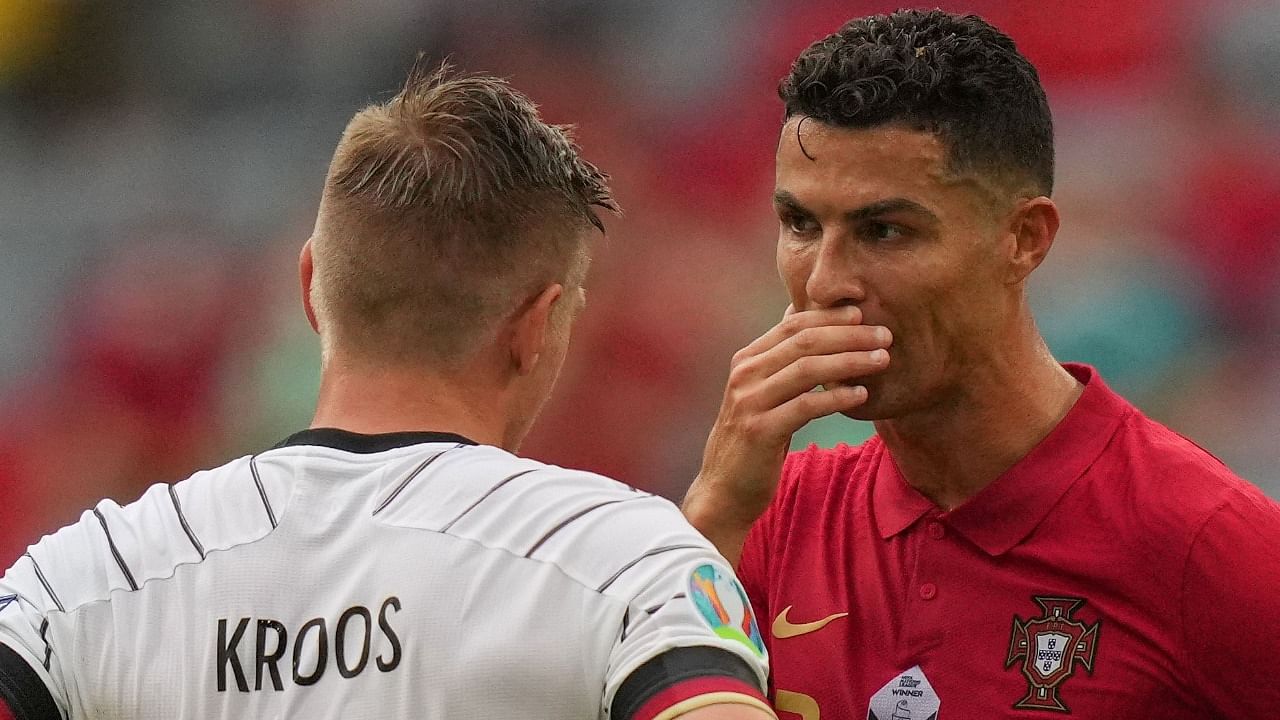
column 723, row 606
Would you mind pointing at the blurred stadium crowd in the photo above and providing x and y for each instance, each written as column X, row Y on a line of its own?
column 160, row 165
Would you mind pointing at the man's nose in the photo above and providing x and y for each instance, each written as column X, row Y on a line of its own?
column 833, row 280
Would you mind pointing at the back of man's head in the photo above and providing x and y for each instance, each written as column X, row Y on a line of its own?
column 953, row 75
column 444, row 209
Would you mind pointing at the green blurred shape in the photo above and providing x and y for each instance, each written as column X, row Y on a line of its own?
column 832, row 430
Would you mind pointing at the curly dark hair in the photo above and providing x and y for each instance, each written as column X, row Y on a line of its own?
column 953, row 75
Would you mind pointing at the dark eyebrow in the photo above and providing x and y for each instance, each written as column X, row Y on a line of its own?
column 886, row 207
column 784, row 199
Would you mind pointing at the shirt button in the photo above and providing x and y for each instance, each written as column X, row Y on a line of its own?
column 936, row 530
column 928, row 591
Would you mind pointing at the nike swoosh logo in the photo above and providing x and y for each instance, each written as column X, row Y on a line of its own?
column 784, row 628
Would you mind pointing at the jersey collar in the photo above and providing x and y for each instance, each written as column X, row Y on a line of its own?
column 1005, row 512
column 358, row 443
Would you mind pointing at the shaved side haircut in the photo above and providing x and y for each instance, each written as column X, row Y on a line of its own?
column 444, row 210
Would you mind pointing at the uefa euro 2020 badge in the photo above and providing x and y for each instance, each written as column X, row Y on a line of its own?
column 723, row 605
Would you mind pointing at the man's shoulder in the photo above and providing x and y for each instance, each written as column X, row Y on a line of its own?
column 1166, row 468
column 486, row 490
column 589, row 526
column 607, row 535
column 115, row 547
column 1170, row 486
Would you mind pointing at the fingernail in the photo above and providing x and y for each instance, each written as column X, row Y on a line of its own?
column 879, row 356
column 883, row 335
column 860, row 390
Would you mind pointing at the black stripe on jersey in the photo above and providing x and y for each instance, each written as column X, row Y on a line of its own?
column 262, row 491
column 47, row 588
column 116, row 551
column 48, row 651
column 22, row 691
column 573, row 517
column 651, row 553
column 482, row 498
column 405, row 483
column 195, row 542
column 674, row 667
column 659, row 606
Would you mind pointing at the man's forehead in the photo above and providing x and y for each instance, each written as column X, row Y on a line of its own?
column 807, row 140
column 820, row 164
column 824, row 165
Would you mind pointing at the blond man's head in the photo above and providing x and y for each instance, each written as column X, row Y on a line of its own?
column 444, row 210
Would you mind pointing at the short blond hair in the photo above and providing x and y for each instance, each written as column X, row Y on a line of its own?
column 443, row 210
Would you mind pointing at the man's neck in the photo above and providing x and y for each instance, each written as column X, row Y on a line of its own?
column 952, row 451
column 371, row 400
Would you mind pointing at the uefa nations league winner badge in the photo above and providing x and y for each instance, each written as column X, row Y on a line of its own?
column 909, row 696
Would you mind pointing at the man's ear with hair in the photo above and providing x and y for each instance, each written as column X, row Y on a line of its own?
column 531, row 326
column 1032, row 229
column 306, row 271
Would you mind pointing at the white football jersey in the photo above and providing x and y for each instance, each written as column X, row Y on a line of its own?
column 409, row 575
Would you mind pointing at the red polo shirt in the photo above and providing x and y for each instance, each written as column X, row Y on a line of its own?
column 1116, row 571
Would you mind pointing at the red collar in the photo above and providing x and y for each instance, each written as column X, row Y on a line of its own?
column 1005, row 512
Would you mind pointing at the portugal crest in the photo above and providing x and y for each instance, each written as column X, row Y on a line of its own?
column 1050, row 647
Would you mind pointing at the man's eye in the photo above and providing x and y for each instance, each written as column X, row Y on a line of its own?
column 880, row 231
column 799, row 225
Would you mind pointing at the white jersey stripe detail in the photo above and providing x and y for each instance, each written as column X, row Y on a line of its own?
column 483, row 497
column 656, row 608
column 40, row 574
column 405, row 483
column 177, row 508
column 266, row 502
column 44, row 633
column 651, row 553
column 563, row 523
column 115, row 552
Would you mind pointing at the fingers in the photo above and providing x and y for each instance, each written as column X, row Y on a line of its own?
column 768, row 399
column 817, row 341
column 796, row 321
column 793, row 414
column 827, row 347
column 810, row 371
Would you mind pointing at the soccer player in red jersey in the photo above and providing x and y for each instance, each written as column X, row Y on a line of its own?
column 1017, row 541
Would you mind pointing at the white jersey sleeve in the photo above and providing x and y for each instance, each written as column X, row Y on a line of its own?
column 676, row 628
column 689, row 639
column 31, row 684
column 688, row 636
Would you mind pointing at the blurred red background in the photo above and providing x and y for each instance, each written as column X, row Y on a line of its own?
column 160, row 164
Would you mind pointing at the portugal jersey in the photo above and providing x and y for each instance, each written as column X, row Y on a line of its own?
column 411, row 575
column 1116, row 571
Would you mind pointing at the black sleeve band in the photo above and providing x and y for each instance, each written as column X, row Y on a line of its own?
column 673, row 667
column 22, row 690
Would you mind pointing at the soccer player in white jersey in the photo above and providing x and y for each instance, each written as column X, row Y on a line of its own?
column 397, row 560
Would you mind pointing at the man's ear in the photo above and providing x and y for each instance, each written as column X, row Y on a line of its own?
column 1033, row 225
column 306, row 269
column 531, row 325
